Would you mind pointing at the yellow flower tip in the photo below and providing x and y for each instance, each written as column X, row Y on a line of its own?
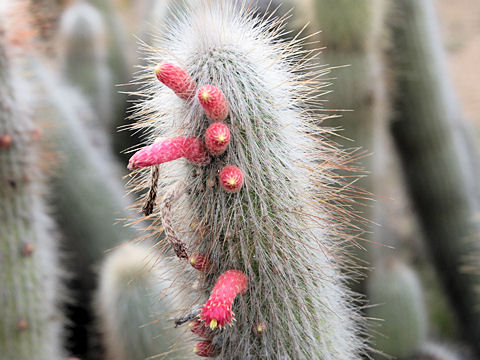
column 260, row 329
column 158, row 69
column 192, row 260
column 205, row 95
column 221, row 138
column 195, row 350
column 213, row 324
column 232, row 181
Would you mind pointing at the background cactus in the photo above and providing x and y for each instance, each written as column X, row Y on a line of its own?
column 132, row 317
column 88, row 200
column 276, row 229
column 352, row 32
column 396, row 294
column 31, row 324
column 433, row 351
column 83, row 59
column 438, row 167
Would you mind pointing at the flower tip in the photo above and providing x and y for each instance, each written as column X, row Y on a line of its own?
column 231, row 179
column 213, row 324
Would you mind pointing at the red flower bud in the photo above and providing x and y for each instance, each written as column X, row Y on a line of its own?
column 5, row 141
column 199, row 262
column 198, row 328
column 171, row 149
column 217, row 138
column 205, row 349
column 213, row 102
column 231, row 179
column 176, row 79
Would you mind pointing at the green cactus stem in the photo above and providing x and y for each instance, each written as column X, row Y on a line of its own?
column 83, row 59
column 133, row 309
column 31, row 324
column 438, row 169
column 396, row 294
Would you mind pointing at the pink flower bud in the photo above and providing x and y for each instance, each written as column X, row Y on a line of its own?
column 195, row 151
column 217, row 138
column 213, row 102
column 199, row 262
column 5, row 141
column 168, row 150
column 198, row 328
column 205, row 349
column 231, row 179
column 176, row 79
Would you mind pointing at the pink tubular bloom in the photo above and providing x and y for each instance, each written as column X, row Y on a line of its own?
column 176, row 79
column 168, row 150
column 213, row 102
column 218, row 309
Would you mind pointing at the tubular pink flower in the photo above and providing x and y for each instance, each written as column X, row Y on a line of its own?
column 218, row 309
column 176, row 79
column 213, row 102
column 171, row 149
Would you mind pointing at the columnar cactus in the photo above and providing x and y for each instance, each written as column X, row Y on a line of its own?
column 263, row 213
column 31, row 321
column 84, row 59
column 127, row 303
column 396, row 291
column 439, row 168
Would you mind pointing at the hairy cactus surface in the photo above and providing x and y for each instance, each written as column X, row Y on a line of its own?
column 31, row 321
column 267, row 213
column 126, row 305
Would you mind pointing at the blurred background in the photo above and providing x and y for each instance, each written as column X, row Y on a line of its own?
column 404, row 86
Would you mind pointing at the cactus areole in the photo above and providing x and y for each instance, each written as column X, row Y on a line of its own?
column 261, row 204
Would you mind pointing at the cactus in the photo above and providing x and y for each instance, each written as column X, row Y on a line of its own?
column 86, row 180
column 396, row 293
column 83, row 59
column 127, row 303
column 279, row 227
column 31, row 324
column 88, row 200
column 352, row 34
column 425, row 125
column 433, row 351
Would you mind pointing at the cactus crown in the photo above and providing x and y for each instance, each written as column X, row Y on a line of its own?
column 284, row 228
